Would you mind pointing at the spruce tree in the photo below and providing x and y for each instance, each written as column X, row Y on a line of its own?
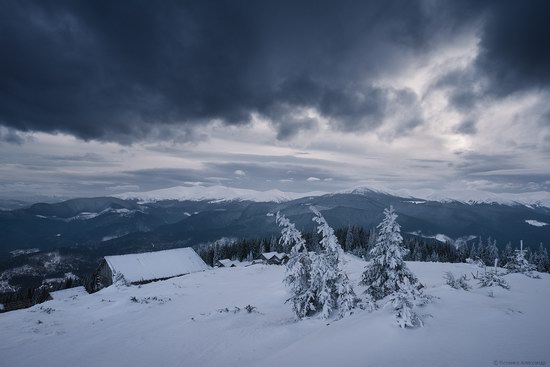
column 403, row 302
column 507, row 254
column 481, row 251
column 473, row 252
column 519, row 264
column 542, row 262
column 335, row 293
column 298, row 269
column 349, row 245
column 387, row 271
column 491, row 252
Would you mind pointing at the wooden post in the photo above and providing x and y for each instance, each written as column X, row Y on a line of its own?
column 521, row 246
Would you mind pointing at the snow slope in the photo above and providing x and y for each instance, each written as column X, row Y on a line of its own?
column 214, row 193
column 183, row 322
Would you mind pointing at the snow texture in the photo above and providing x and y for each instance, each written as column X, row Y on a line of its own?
column 182, row 322
column 70, row 293
column 156, row 265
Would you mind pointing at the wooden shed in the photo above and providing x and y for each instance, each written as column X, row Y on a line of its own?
column 148, row 266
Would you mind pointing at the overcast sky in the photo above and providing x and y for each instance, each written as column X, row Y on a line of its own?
column 102, row 97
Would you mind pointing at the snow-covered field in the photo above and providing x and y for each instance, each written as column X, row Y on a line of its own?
column 193, row 321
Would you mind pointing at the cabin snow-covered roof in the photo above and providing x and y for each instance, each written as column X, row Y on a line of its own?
column 270, row 255
column 228, row 263
column 156, row 265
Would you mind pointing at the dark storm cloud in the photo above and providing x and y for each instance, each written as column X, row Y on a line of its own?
column 116, row 70
column 124, row 70
column 515, row 47
column 514, row 54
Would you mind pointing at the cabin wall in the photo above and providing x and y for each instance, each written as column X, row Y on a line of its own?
column 103, row 276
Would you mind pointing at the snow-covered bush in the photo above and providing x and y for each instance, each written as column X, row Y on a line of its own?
column 457, row 283
column 477, row 262
column 119, row 280
column 387, row 270
column 298, row 269
column 491, row 278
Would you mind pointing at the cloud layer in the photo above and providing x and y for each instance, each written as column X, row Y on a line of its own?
column 454, row 84
column 121, row 71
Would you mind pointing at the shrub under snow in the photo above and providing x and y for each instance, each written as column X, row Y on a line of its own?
column 457, row 283
column 491, row 279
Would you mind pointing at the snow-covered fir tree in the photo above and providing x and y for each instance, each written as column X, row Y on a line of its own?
column 273, row 244
column 328, row 278
column 507, row 254
column 298, row 269
column 387, row 270
column 119, row 280
column 518, row 263
column 542, row 262
column 403, row 302
column 463, row 252
column 434, row 257
column 482, row 251
column 417, row 252
column 371, row 241
column 473, row 252
column 349, row 244
column 491, row 251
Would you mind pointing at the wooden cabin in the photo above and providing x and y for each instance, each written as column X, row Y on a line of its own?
column 148, row 267
column 274, row 258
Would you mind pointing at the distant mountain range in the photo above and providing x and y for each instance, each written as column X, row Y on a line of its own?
column 185, row 216
column 214, row 193
column 223, row 193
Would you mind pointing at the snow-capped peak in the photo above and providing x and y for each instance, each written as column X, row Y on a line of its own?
column 214, row 193
column 224, row 193
column 465, row 196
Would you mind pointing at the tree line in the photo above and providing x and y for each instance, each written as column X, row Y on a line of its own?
column 359, row 241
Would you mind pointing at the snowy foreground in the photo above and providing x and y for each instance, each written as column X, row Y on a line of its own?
column 183, row 322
